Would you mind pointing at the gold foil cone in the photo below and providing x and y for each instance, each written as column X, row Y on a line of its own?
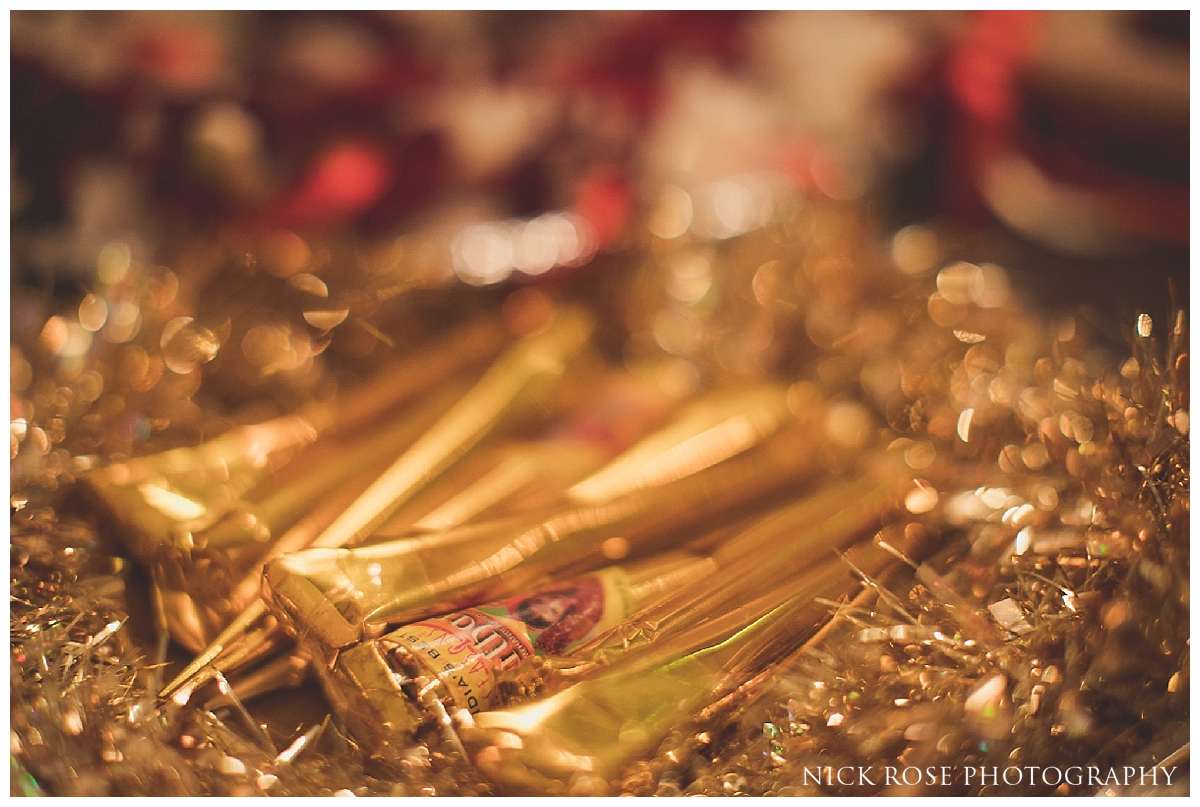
column 775, row 547
column 532, row 366
column 580, row 738
column 339, row 597
column 521, row 378
column 454, row 668
column 187, row 513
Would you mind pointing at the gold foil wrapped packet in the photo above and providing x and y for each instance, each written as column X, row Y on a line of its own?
column 520, row 378
column 335, row 597
column 777, row 547
column 442, row 671
column 577, row 740
column 202, row 519
column 428, row 573
column 389, row 687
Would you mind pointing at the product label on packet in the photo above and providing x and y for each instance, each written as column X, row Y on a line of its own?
column 468, row 649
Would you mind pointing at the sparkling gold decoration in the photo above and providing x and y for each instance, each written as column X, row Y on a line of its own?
column 295, row 418
column 1058, row 493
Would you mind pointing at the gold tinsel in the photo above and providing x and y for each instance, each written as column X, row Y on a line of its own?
column 1051, row 629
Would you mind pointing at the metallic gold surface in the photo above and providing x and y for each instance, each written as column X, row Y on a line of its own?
column 783, row 544
column 429, row 679
column 532, row 366
column 203, row 518
column 589, row 731
column 333, row 596
column 224, row 218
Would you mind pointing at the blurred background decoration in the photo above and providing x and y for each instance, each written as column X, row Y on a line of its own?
column 219, row 217
column 373, row 123
column 322, row 168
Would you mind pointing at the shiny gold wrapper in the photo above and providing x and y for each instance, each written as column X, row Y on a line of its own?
column 536, row 363
column 521, row 378
column 780, row 545
column 203, row 518
column 186, row 489
column 578, row 739
column 212, row 574
column 512, row 478
column 616, row 410
column 961, row 238
column 336, row 597
column 417, row 674
column 632, row 684
column 786, row 555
